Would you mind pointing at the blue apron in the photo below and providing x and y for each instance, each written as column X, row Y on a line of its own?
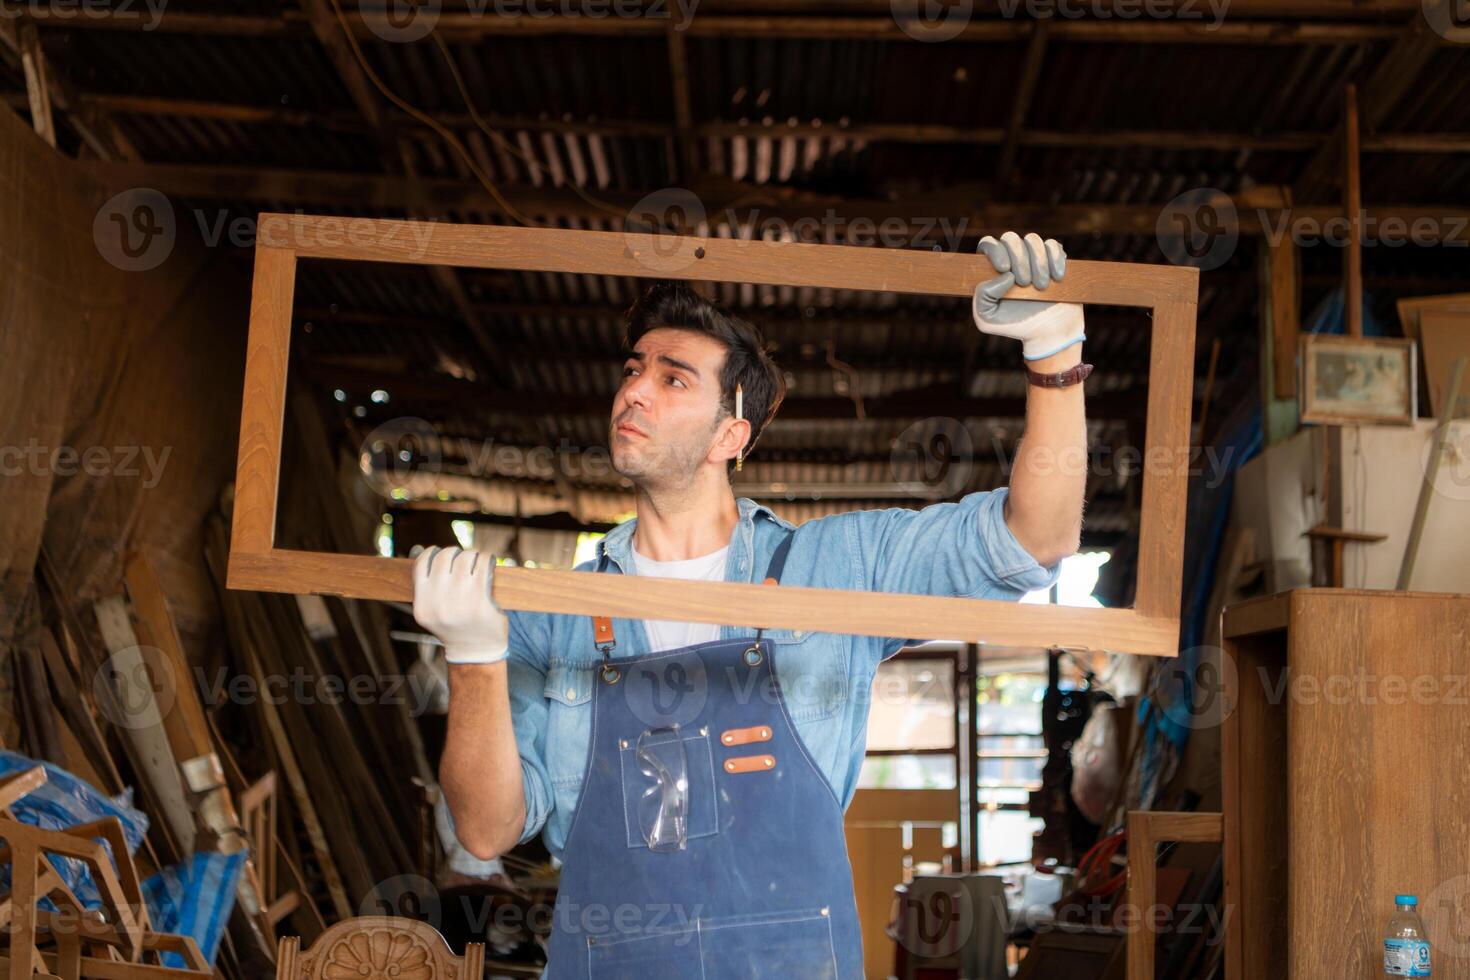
column 762, row 886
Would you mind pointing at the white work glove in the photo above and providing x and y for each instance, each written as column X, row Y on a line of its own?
column 1043, row 328
column 451, row 599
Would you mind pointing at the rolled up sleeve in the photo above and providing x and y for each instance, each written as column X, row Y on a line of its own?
column 961, row 549
column 526, row 678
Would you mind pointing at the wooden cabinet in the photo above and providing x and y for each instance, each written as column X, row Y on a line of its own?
column 1346, row 766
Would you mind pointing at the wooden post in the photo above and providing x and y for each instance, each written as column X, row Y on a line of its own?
column 1284, row 311
column 1352, row 191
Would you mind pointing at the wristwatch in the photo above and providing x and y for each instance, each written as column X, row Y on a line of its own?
column 1059, row 379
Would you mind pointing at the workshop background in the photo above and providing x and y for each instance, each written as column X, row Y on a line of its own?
column 264, row 765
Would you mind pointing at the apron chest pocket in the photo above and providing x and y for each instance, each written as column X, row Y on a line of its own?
column 703, row 802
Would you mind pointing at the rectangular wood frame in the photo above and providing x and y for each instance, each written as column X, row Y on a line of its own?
column 1170, row 293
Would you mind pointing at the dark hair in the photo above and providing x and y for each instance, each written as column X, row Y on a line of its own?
column 747, row 362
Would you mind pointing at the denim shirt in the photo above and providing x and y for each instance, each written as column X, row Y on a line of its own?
column 961, row 549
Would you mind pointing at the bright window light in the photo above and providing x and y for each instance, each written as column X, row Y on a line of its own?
column 464, row 533
column 1078, row 579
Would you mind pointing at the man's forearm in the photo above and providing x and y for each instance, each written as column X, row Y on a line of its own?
column 1049, row 476
column 480, row 771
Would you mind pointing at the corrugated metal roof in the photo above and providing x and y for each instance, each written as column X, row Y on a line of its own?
column 614, row 97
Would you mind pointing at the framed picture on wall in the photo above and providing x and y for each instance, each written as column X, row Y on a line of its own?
column 1359, row 379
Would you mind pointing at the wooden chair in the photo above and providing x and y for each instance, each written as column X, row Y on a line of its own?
column 111, row 943
column 377, row 947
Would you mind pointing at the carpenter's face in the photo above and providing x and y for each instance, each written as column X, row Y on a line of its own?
column 666, row 415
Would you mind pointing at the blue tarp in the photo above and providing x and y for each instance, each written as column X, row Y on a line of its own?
column 194, row 899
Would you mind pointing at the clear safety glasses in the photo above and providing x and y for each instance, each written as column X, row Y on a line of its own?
column 663, row 809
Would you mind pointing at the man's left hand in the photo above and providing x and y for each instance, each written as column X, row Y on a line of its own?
column 1043, row 328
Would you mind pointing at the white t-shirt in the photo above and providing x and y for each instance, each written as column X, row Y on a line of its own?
column 667, row 635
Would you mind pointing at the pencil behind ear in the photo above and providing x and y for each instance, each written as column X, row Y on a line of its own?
column 739, row 414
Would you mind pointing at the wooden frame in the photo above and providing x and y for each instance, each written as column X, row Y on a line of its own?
column 1169, row 292
column 1313, row 411
column 1146, row 829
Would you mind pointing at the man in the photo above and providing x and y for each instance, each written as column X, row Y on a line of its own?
column 692, row 778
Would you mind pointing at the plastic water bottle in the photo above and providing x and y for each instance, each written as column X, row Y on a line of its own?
column 1406, row 946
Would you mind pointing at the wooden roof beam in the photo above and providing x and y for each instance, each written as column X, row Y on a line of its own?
column 1235, row 30
column 1384, row 88
column 328, row 30
column 1021, row 103
column 1259, row 209
column 96, row 127
column 772, row 129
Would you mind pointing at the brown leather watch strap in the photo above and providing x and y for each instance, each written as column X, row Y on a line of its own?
column 1059, row 379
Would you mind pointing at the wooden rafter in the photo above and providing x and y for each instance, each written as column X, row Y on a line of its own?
column 328, row 32
column 1385, row 87
column 94, row 124
column 1021, row 102
column 436, row 196
column 398, row 123
column 38, row 81
column 1237, row 29
column 684, row 172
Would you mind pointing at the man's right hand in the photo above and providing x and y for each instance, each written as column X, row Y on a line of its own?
column 452, row 600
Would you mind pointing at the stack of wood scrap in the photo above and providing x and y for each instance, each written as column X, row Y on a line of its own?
column 110, row 698
column 288, row 731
